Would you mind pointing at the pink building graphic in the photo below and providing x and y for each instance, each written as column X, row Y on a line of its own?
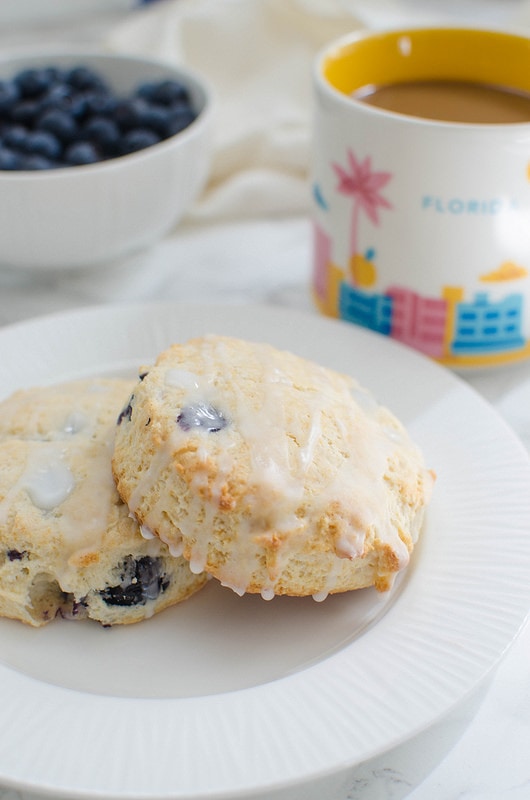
column 417, row 321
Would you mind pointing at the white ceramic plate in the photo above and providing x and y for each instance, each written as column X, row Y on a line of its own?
column 229, row 697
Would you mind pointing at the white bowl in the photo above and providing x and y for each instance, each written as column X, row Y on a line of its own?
column 76, row 217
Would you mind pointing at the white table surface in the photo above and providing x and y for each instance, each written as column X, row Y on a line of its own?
column 268, row 261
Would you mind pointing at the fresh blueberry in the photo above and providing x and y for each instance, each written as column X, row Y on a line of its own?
column 156, row 117
column 180, row 119
column 84, row 78
column 9, row 95
column 80, row 153
column 147, row 91
column 15, row 136
column 26, row 111
column 78, row 106
column 166, row 92
column 140, row 580
column 202, row 416
column 43, row 143
column 58, row 96
column 58, row 122
column 138, row 139
column 103, row 131
column 34, row 81
column 65, row 98
column 99, row 102
column 128, row 113
column 9, row 159
column 36, row 162
column 54, row 74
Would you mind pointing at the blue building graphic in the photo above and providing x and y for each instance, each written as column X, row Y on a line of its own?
column 485, row 327
column 372, row 311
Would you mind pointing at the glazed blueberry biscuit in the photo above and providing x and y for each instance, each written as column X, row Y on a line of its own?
column 68, row 545
column 269, row 472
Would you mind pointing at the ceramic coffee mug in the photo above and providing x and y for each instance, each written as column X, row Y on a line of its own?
column 422, row 226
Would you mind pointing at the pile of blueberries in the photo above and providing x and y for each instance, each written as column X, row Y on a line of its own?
column 52, row 117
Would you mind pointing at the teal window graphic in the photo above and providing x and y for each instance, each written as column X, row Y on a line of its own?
column 484, row 326
column 373, row 311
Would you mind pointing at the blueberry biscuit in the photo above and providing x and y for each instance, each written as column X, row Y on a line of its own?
column 269, row 472
column 68, row 545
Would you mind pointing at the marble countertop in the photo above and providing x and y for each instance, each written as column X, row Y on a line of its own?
column 268, row 261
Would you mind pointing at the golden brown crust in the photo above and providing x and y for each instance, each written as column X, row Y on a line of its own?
column 301, row 486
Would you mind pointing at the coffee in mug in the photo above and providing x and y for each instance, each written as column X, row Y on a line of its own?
column 452, row 101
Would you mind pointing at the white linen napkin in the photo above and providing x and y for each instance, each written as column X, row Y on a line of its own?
column 258, row 57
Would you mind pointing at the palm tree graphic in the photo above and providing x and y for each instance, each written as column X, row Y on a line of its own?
column 359, row 182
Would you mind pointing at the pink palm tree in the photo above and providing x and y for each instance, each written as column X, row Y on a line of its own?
column 363, row 186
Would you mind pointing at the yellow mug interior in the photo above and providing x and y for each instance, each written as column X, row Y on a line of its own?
column 489, row 57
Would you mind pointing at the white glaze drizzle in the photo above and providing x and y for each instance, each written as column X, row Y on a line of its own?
column 75, row 422
column 48, row 480
column 176, row 549
column 182, row 378
column 66, row 477
column 146, row 532
column 277, row 469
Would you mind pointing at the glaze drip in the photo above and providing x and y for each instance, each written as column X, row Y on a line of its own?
column 309, row 449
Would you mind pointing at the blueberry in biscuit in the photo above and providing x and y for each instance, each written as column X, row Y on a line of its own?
column 68, row 545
